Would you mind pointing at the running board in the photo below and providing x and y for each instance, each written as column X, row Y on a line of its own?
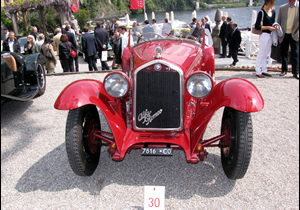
column 26, row 96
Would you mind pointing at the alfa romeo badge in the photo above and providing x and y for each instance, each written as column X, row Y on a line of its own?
column 157, row 67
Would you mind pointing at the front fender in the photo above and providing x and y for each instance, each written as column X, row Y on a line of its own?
column 87, row 91
column 31, row 61
column 80, row 93
column 238, row 94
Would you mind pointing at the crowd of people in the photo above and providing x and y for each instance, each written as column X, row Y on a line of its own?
column 285, row 30
column 113, row 32
column 64, row 40
column 230, row 35
column 96, row 44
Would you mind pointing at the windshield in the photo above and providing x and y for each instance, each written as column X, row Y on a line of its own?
column 22, row 41
column 148, row 36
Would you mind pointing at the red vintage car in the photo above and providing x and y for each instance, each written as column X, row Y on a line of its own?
column 162, row 100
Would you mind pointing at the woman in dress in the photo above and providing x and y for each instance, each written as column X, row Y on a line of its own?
column 267, row 14
column 30, row 47
column 65, row 54
column 50, row 62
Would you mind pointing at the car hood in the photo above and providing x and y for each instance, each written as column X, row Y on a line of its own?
column 178, row 52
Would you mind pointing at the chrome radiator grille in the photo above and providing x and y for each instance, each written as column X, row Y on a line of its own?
column 158, row 99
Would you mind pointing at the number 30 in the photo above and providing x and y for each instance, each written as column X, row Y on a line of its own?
column 154, row 202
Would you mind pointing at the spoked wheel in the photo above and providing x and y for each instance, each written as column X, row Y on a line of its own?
column 236, row 148
column 41, row 79
column 82, row 147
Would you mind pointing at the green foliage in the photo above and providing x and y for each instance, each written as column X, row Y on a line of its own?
column 203, row 5
column 137, row 11
column 3, row 18
column 6, row 21
column 256, row 4
column 150, row 6
column 52, row 21
column 93, row 8
column 34, row 19
column 82, row 17
column 180, row 4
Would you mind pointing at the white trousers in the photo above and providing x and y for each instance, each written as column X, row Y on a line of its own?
column 265, row 43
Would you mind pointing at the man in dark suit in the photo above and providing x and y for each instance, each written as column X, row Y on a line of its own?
column 72, row 39
column 89, row 48
column 102, row 39
column 222, row 36
column 235, row 42
column 288, row 18
column 228, row 32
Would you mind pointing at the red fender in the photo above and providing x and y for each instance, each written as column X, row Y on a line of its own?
column 87, row 91
column 238, row 94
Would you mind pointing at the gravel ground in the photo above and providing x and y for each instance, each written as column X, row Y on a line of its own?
column 35, row 173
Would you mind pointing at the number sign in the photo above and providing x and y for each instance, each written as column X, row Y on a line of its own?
column 154, row 197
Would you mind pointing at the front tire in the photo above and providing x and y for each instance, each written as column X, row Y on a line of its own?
column 82, row 149
column 41, row 79
column 236, row 148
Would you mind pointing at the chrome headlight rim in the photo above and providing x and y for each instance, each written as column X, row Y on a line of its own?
column 206, row 75
column 120, row 75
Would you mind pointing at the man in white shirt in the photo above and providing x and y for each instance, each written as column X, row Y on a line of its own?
column 103, row 23
column 11, row 44
column 124, row 37
column 154, row 26
column 167, row 27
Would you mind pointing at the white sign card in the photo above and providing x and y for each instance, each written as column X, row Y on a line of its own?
column 98, row 60
column 104, row 55
column 154, row 197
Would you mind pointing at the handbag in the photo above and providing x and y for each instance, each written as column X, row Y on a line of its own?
column 254, row 30
column 72, row 52
column 48, row 53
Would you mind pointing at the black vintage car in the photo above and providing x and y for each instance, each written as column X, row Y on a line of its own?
column 22, row 77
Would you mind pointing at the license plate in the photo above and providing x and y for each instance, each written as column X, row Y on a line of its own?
column 157, row 151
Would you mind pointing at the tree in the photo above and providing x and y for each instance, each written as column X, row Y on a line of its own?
column 6, row 21
column 82, row 17
column 60, row 7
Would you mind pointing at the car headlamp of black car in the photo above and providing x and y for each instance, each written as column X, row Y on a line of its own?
column 199, row 85
column 116, row 84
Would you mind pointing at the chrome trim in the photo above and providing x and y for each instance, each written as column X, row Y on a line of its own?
column 181, row 76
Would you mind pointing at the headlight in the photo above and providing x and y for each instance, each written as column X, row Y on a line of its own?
column 116, row 85
column 199, row 85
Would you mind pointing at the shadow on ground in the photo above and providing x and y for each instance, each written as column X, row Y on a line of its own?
column 12, row 117
column 182, row 180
